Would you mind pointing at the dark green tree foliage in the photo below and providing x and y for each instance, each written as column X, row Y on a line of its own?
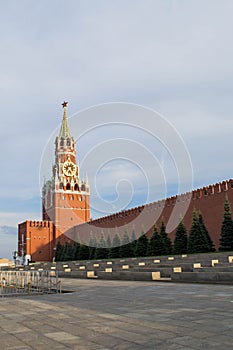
column 68, row 251
column 76, row 248
column 83, row 252
column 59, row 252
column 126, row 250
column 114, row 251
column 133, row 241
column 181, row 239
column 92, row 246
column 206, row 233
column 165, row 240
column 101, row 250
column 63, row 253
column 197, row 241
column 155, row 243
column 226, row 238
column 142, row 245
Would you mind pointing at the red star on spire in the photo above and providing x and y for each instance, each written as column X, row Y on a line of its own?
column 64, row 104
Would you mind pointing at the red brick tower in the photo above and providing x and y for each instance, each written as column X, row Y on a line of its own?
column 65, row 198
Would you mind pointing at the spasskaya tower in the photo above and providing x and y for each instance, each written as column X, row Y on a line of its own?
column 65, row 198
column 65, row 203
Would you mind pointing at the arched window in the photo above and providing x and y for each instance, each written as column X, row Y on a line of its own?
column 76, row 187
column 68, row 186
column 61, row 185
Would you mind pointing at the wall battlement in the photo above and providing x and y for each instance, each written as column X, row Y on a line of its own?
column 43, row 223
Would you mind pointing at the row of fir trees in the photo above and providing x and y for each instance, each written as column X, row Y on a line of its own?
column 197, row 240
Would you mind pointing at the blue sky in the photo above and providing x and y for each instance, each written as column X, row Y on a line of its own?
column 171, row 56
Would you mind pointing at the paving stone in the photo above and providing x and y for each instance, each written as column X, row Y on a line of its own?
column 104, row 315
column 62, row 336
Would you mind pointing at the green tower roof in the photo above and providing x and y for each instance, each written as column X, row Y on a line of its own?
column 65, row 130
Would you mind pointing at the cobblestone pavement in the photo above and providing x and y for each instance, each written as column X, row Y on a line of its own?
column 120, row 315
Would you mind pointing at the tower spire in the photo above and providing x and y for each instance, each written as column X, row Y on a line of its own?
column 65, row 130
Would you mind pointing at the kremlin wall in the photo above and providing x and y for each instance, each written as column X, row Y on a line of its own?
column 66, row 209
column 208, row 200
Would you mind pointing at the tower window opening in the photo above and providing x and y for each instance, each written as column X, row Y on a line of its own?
column 61, row 186
column 68, row 142
column 68, row 186
column 76, row 187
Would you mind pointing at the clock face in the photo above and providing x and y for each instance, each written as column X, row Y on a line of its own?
column 69, row 168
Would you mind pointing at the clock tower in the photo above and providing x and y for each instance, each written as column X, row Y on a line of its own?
column 65, row 198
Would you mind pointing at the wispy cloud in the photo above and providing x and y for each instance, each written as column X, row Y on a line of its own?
column 175, row 57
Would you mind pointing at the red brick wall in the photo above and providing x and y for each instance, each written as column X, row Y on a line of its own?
column 38, row 238
column 209, row 200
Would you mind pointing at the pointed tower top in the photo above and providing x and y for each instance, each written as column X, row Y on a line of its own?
column 65, row 130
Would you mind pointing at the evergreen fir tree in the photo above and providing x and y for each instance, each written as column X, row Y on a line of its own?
column 209, row 240
column 226, row 238
column 62, row 258
column 197, row 241
column 155, row 243
column 59, row 252
column 76, row 248
column 92, row 246
column 109, row 242
column 142, row 245
column 114, row 251
column 133, row 241
column 126, row 250
column 68, row 251
column 101, row 250
column 181, row 239
column 83, row 252
column 166, row 245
